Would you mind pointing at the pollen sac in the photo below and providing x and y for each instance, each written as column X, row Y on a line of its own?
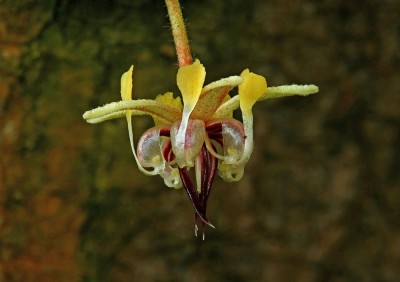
column 194, row 140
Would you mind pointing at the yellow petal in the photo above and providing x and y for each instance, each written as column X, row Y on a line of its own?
column 251, row 90
column 190, row 80
column 126, row 85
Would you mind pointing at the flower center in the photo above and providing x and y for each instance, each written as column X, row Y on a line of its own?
column 207, row 147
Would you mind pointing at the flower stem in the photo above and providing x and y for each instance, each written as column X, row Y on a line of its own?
column 179, row 33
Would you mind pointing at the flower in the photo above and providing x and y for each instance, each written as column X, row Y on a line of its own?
column 200, row 134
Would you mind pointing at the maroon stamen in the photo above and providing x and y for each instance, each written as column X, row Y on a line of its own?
column 167, row 152
column 215, row 127
column 192, row 193
column 216, row 136
column 208, row 169
column 214, row 131
column 209, row 165
column 212, row 165
column 165, row 132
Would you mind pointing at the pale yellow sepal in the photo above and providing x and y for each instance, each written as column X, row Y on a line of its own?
column 190, row 80
column 126, row 85
column 251, row 90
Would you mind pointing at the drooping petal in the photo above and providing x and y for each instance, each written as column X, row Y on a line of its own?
column 212, row 96
column 190, row 80
column 250, row 91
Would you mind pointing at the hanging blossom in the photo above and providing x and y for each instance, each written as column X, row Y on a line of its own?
column 190, row 143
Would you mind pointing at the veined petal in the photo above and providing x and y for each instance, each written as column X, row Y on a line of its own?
column 232, row 104
column 138, row 107
column 212, row 97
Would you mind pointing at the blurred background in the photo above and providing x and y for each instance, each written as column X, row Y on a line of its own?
column 320, row 197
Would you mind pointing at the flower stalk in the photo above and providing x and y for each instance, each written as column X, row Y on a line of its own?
column 179, row 33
